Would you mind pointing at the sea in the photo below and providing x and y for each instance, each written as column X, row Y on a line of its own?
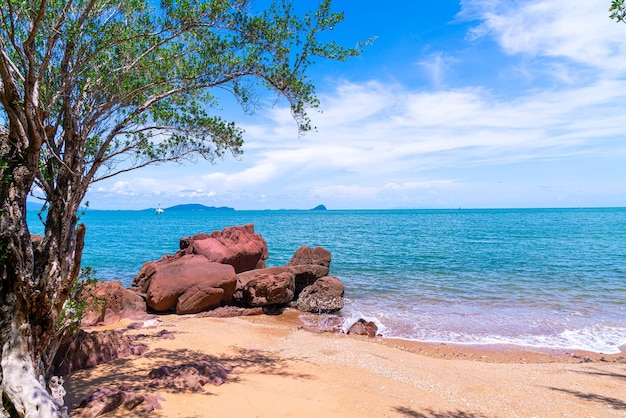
column 537, row 278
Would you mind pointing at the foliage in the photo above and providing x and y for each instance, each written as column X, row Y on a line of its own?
column 126, row 84
column 5, row 176
column 618, row 11
column 93, row 88
column 74, row 307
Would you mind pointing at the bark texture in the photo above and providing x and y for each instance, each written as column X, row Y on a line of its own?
column 35, row 280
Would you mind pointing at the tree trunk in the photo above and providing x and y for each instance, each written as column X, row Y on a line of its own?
column 34, row 284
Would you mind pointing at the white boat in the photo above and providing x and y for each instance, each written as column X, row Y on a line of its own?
column 159, row 210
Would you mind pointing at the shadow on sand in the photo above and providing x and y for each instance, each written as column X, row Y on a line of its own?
column 429, row 413
column 614, row 403
column 133, row 371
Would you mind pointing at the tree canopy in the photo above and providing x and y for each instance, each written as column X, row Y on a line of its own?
column 127, row 84
column 618, row 11
column 93, row 88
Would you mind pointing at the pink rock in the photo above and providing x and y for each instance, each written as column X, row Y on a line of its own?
column 87, row 350
column 230, row 312
column 305, row 275
column 238, row 246
column 308, row 264
column 108, row 302
column 141, row 281
column 306, row 255
column 189, row 283
column 189, row 375
column 105, row 400
column 363, row 327
column 263, row 287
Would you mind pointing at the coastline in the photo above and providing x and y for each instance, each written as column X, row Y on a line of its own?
column 281, row 368
column 526, row 277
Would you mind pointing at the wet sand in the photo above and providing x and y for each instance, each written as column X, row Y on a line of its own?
column 282, row 369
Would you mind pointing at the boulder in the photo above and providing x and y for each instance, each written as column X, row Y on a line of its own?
column 237, row 246
column 141, row 282
column 189, row 284
column 305, row 275
column 306, row 255
column 108, row 302
column 264, row 287
column 104, row 400
column 323, row 296
column 191, row 376
column 307, row 265
column 87, row 350
column 363, row 327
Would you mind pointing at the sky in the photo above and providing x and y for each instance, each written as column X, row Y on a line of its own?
column 471, row 104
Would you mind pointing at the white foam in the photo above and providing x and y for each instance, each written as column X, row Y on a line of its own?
column 353, row 316
column 598, row 339
column 608, row 338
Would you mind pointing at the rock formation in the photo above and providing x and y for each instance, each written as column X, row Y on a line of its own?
column 189, row 284
column 263, row 287
column 87, row 350
column 227, row 268
column 108, row 302
column 308, row 264
column 323, row 296
column 191, row 376
column 238, row 246
column 105, row 400
column 363, row 327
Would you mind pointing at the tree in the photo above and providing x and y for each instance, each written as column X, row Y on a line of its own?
column 93, row 88
column 618, row 11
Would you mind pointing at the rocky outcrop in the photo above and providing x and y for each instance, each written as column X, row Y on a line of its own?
column 191, row 376
column 363, row 327
column 238, row 246
column 305, row 275
column 108, row 302
column 307, row 265
column 196, row 279
column 230, row 312
column 141, row 282
column 323, row 296
column 87, row 350
column 188, row 376
column 188, row 284
column 105, row 400
column 264, row 287
column 306, row 255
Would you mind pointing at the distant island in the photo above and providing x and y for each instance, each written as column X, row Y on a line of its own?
column 319, row 207
column 196, row 207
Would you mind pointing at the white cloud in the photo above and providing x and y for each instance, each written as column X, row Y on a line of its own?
column 437, row 65
column 580, row 32
column 411, row 185
column 380, row 143
column 413, row 144
column 123, row 188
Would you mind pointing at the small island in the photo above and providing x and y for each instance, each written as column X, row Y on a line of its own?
column 319, row 207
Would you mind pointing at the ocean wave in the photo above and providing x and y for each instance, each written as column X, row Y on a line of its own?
column 605, row 338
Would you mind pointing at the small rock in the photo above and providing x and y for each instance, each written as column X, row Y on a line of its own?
column 230, row 312
column 363, row 327
column 189, row 375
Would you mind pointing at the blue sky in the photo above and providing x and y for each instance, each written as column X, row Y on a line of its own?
column 473, row 104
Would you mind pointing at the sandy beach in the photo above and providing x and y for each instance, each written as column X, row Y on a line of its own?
column 281, row 369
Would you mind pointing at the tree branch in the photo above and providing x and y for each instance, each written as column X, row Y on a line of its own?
column 35, row 24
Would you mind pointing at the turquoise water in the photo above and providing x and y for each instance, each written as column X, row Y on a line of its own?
column 552, row 278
